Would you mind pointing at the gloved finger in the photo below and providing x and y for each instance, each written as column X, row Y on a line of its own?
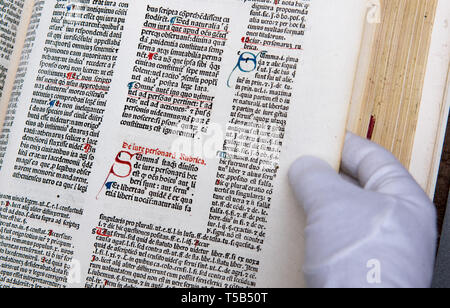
column 349, row 179
column 315, row 182
column 377, row 169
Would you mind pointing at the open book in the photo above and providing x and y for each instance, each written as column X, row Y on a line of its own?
column 147, row 143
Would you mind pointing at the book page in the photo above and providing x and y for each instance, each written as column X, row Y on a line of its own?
column 363, row 71
column 152, row 140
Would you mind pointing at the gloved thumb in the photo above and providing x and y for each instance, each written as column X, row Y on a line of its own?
column 316, row 183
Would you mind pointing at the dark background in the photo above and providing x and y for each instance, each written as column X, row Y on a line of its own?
column 443, row 184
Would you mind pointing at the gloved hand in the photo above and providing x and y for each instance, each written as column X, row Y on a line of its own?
column 380, row 233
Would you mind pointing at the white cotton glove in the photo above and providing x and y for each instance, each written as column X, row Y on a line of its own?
column 380, row 233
